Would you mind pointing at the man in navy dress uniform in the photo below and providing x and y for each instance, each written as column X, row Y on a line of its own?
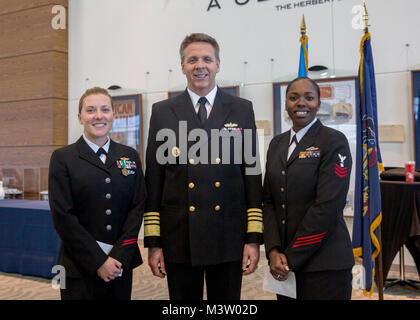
column 203, row 216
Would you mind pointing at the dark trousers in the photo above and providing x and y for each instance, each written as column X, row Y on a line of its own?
column 186, row 282
column 322, row 285
column 94, row 288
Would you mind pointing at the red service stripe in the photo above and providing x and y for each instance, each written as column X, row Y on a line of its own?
column 134, row 240
column 306, row 243
column 130, row 239
column 309, row 237
column 341, row 175
column 127, row 243
column 340, row 168
column 316, row 238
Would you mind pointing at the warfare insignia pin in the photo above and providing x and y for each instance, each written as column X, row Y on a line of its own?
column 231, row 127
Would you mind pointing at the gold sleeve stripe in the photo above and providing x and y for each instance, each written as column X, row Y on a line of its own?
column 253, row 214
column 152, row 224
column 255, row 220
column 255, row 226
column 148, row 214
column 151, row 219
column 151, row 230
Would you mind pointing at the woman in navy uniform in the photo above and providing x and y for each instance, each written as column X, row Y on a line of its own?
column 97, row 195
column 305, row 188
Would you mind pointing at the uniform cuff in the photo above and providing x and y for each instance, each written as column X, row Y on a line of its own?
column 254, row 237
column 152, row 242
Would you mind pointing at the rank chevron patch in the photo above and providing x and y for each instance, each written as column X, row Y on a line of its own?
column 341, row 171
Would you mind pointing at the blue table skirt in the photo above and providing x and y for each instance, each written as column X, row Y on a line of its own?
column 29, row 244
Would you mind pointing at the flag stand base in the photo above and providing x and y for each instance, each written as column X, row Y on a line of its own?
column 401, row 281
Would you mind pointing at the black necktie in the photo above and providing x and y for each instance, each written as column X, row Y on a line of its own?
column 202, row 111
column 294, row 139
column 100, row 151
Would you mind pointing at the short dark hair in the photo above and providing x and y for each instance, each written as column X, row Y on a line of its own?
column 92, row 91
column 316, row 86
column 198, row 37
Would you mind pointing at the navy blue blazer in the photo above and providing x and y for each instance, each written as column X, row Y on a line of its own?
column 304, row 198
column 202, row 206
column 91, row 201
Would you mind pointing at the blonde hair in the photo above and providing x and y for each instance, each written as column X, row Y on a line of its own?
column 92, row 91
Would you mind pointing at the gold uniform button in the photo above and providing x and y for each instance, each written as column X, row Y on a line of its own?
column 217, row 184
column 191, row 185
column 192, row 208
column 217, row 208
column 218, row 160
column 191, row 161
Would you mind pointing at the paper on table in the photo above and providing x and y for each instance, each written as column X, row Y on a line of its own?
column 285, row 288
column 107, row 249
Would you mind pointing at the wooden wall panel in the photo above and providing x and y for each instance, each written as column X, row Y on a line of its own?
column 33, row 89
column 9, row 6
column 33, row 123
column 30, row 31
column 26, row 157
column 37, row 76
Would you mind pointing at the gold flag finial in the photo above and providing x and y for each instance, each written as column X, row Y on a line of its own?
column 365, row 16
column 303, row 26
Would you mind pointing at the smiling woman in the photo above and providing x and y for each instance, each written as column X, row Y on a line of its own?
column 305, row 186
column 302, row 102
column 96, row 115
column 98, row 227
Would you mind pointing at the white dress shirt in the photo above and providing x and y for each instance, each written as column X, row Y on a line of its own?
column 95, row 147
column 210, row 100
column 299, row 136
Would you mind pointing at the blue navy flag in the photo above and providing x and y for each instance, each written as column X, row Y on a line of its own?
column 367, row 198
column 303, row 61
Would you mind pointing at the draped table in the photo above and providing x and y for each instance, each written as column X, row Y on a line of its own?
column 29, row 244
column 400, row 221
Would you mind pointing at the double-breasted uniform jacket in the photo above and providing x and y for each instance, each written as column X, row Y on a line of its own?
column 91, row 201
column 304, row 198
column 203, row 204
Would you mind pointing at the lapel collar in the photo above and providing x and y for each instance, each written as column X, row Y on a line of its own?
column 283, row 144
column 113, row 154
column 85, row 152
column 220, row 111
column 184, row 110
column 307, row 141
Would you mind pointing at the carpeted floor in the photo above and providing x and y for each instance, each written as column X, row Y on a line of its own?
column 148, row 287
